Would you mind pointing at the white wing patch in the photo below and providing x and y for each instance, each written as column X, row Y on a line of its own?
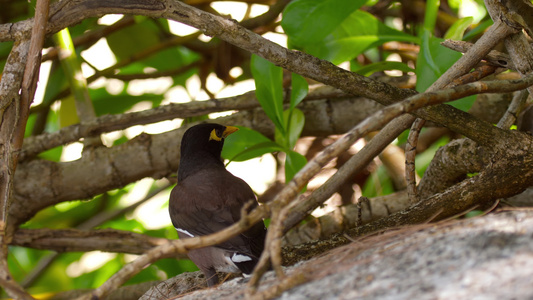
column 184, row 231
column 238, row 258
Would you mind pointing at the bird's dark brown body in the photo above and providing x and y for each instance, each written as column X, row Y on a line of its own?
column 208, row 199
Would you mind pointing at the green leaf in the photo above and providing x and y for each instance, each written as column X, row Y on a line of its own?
column 478, row 30
column 103, row 273
column 310, row 21
column 458, row 29
column 105, row 103
column 464, row 104
column 378, row 183
column 299, row 89
column 269, row 89
column 294, row 122
column 173, row 267
column 5, row 48
column 423, row 159
column 54, row 278
column 257, row 150
column 133, row 39
column 172, row 58
column 84, row 26
column 56, row 83
column 383, row 66
column 294, row 162
column 433, row 60
column 53, row 154
column 295, row 126
column 430, row 18
column 246, row 144
column 358, row 33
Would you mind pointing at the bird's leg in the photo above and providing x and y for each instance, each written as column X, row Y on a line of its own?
column 211, row 276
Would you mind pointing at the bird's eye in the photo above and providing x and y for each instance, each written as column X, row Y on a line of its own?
column 216, row 135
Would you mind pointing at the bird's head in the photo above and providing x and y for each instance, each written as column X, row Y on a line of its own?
column 204, row 138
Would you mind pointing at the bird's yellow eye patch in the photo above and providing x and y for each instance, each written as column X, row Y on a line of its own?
column 214, row 136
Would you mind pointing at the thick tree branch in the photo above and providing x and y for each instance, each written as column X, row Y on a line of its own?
column 346, row 217
column 68, row 240
column 41, row 183
column 67, row 13
column 451, row 164
column 14, row 112
column 34, row 145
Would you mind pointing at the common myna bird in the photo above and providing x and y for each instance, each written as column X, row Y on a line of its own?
column 208, row 199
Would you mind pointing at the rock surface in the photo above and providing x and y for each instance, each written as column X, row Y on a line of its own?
column 489, row 257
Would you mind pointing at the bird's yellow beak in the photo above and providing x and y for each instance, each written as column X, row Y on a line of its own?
column 229, row 130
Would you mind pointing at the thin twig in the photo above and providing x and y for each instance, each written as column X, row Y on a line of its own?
column 173, row 247
column 494, row 57
column 94, row 221
column 479, row 73
column 487, row 42
column 354, row 165
column 514, row 109
column 410, row 155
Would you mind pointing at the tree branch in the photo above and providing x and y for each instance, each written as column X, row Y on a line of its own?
column 488, row 40
column 41, row 183
column 283, row 200
column 14, row 112
column 34, row 145
column 71, row 12
column 174, row 247
column 354, row 165
column 69, row 240
column 494, row 57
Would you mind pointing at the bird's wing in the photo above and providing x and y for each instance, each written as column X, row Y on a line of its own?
column 206, row 203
